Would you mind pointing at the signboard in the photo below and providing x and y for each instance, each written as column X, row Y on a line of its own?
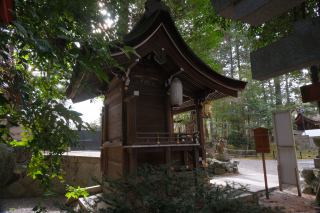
column 261, row 138
column 286, row 151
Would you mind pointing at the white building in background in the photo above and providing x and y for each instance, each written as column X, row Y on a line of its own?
column 312, row 133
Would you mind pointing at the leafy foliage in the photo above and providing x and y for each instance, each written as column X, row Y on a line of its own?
column 48, row 46
column 237, row 140
column 184, row 191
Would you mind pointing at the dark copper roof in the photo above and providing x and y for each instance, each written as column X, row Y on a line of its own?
column 306, row 119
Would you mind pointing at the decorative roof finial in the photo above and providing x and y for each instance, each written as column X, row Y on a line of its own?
column 152, row 6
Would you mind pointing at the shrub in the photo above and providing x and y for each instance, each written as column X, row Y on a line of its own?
column 237, row 140
column 179, row 192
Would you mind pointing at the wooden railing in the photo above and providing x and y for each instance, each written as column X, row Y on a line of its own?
column 153, row 138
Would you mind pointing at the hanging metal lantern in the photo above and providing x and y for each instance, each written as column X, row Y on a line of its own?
column 176, row 93
column 207, row 108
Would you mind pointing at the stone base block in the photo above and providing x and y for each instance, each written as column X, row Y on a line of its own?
column 222, row 157
column 308, row 190
column 317, row 163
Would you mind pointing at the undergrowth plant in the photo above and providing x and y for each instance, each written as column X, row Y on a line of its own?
column 157, row 191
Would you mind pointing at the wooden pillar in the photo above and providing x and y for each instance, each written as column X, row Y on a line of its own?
column 133, row 120
column 185, row 158
column 169, row 116
column 201, row 131
column 168, row 159
column 105, row 125
column 133, row 162
column 196, row 158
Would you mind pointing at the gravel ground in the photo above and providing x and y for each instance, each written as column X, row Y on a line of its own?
column 25, row 205
column 255, row 166
column 290, row 201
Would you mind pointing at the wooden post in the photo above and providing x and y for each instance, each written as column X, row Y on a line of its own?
column 133, row 162
column 196, row 158
column 185, row 158
column 201, row 131
column 133, row 121
column 265, row 175
column 105, row 125
column 169, row 124
column 168, row 159
column 279, row 177
column 298, row 181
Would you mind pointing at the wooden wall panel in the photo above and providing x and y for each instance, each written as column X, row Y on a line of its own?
column 151, row 114
column 115, row 162
column 153, row 158
column 113, row 110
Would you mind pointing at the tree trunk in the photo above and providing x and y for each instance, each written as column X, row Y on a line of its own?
column 238, row 60
column 231, row 60
column 270, row 92
column 278, row 91
column 287, row 89
column 264, row 93
column 211, row 127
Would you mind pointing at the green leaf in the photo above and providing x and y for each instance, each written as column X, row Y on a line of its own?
column 64, row 37
column 20, row 28
column 12, row 123
column 3, row 100
column 64, row 30
column 43, row 46
column 33, row 13
column 102, row 75
column 17, row 3
column 23, row 53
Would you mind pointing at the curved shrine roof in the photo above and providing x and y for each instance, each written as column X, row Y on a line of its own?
column 155, row 33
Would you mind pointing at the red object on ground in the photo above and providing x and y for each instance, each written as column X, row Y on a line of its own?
column 310, row 92
column 5, row 14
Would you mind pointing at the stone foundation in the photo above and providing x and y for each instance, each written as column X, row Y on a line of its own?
column 219, row 167
column 310, row 176
column 79, row 172
column 222, row 157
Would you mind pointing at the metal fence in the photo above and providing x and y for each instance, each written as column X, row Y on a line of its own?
column 246, row 153
column 89, row 141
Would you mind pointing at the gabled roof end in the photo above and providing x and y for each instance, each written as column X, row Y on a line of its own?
column 152, row 6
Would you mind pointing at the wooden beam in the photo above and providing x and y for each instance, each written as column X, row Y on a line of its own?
column 188, row 94
column 310, row 92
column 190, row 108
column 73, row 88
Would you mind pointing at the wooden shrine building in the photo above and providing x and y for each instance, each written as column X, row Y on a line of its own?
column 309, row 123
column 137, row 118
